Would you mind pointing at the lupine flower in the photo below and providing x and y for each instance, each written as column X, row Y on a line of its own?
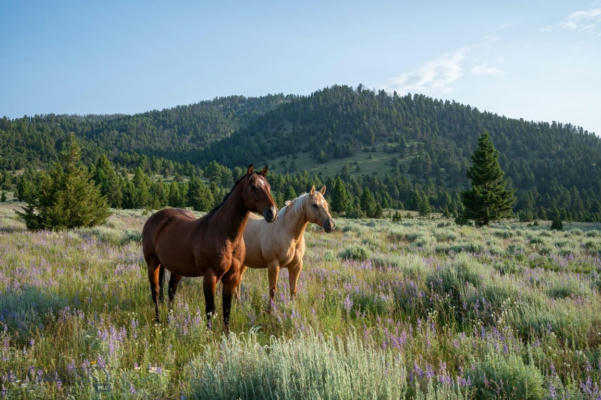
column 348, row 303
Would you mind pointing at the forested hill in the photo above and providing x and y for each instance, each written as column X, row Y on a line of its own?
column 558, row 165
column 413, row 144
column 177, row 133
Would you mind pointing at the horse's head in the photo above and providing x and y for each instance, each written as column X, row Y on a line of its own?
column 257, row 194
column 316, row 209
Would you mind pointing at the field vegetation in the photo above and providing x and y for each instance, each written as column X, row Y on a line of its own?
column 418, row 308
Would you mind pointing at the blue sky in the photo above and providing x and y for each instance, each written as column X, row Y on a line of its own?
column 538, row 60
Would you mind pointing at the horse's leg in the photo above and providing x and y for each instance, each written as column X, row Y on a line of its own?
column 173, row 281
column 273, row 272
column 209, row 285
column 153, row 276
column 294, row 273
column 161, row 279
column 230, row 282
column 237, row 292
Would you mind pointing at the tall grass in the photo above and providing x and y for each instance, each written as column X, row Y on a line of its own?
column 417, row 309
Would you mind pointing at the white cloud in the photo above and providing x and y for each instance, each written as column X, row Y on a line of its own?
column 485, row 69
column 587, row 21
column 436, row 75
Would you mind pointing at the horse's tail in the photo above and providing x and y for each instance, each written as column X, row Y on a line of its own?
column 161, row 278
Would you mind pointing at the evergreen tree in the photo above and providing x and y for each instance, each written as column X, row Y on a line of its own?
column 556, row 223
column 27, row 185
column 107, row 179
column 368, row 203
column 199, row 195
column 290, row 193
column 341, row 200
column 177, row 196
column 141, row 183
column 65, row 196
column 378, row 212
column 489, row 199
column 423, row 205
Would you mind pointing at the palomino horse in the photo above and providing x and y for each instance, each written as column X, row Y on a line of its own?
column 282, row 244
column 211, row 246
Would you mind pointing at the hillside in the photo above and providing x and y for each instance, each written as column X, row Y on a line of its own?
column 176, row 133
column 336, row 131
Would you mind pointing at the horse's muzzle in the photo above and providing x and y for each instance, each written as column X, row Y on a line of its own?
column 329, row 225
column 270, row 214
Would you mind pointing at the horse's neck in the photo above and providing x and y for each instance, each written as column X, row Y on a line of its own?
column 232, row 216
column 295, row 221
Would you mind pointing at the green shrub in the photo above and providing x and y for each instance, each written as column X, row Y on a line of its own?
column 556, row 224
column 456, row 280
column 563, row 288
column 498, row 377
column 508, row 267
column 329, row 256
column 131, row 237
column 469, row 247
column 358, row 253
column 308, row 366
column 371, row 303
column 505, row 234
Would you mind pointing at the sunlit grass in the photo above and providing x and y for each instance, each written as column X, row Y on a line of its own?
column 431, row 306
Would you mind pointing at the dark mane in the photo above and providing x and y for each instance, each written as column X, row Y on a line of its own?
column 227, row 195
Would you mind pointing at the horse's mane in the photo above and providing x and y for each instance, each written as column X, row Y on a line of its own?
column 214, row 210
column 295, row 204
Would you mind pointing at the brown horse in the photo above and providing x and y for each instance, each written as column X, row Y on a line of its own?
column 211, row 246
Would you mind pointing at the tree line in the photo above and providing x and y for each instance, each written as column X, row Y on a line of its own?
column 552, row 166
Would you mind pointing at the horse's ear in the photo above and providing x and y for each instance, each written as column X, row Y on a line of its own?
column 312, row 190
column 323, row 190
column 250, row 170
column 264, row 171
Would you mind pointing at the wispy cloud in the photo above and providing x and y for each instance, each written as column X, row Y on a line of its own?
column 485, row 69
column 436, row 75
column 587, row 21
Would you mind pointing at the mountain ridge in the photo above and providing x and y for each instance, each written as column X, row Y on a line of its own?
column 333, row 131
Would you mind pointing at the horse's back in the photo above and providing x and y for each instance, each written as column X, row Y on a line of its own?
column 157, row 222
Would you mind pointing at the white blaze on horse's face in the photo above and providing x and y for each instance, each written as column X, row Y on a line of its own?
column 260, row 192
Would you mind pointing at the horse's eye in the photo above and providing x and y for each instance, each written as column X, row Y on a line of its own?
column 253, row 187
column 314, row 205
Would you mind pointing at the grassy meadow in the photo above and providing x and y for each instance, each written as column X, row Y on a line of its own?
column 420, row 308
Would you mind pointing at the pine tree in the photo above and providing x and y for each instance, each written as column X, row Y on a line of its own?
column 199, row 195
column 489, row 199
column 423, row 205
column 177, row 195
column 368, row 203
column 65, row 196
column 556, row 223
column 108, row 180
column 341, row 200
column 290, row 193
column 141, row 183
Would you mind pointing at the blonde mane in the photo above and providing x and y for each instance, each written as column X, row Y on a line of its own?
column 295, row 205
